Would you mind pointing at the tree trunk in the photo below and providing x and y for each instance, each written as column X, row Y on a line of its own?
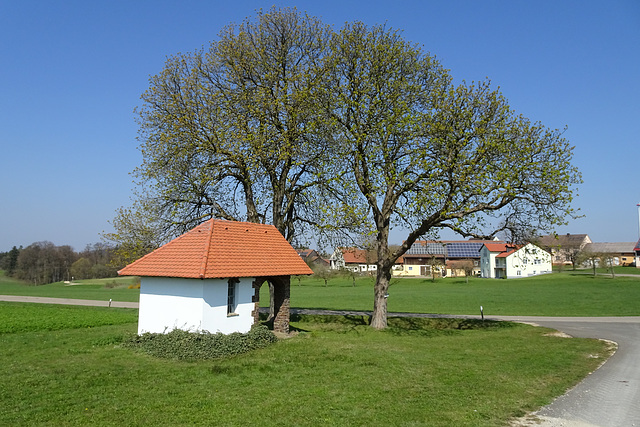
column 381, row 293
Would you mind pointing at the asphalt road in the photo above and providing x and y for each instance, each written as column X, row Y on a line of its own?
column 609, row 397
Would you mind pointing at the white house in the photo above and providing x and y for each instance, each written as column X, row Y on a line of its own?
column 209, row 278
column 504, row 260
column 354, row 259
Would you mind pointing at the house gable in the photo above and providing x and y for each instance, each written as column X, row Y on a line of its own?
column 512, row 261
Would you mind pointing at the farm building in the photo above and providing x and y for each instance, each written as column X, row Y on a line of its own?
column 508, row 261
column 446, row 258
column 209, row 278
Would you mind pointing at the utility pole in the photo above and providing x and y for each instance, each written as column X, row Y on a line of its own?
column 638, row 244
column 638, row 205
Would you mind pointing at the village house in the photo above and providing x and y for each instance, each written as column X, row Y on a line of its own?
column 564, row 248
column 508, row 261
column 312, row 258
column 353, row 259
column 209, row 278
column 447, row 258
column 620, row 253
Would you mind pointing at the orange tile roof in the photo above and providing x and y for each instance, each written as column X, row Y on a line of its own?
column 218, row 249
column 355, row 256
column 505, row 249
column 496, row 247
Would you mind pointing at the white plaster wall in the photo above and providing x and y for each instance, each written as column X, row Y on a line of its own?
column 487, row 263
column 516, row 262
column 169, row 303
column 193, row 305
column 215, row 317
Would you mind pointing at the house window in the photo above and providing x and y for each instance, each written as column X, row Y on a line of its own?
column 525, row 260
column 410, row 268
column 519, row 273
column 232, row 289
column 537, row 261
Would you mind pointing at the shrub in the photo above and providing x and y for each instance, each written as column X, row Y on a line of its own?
column 184, row 345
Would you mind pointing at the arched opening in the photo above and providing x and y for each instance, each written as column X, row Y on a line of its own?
column 279, row 320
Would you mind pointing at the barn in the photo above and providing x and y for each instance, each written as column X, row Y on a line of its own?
column 209, row 278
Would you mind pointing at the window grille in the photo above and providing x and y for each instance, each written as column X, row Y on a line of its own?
column 231, row 295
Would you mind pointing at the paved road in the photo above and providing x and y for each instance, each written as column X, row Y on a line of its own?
column 68, row 301
column 609, row 397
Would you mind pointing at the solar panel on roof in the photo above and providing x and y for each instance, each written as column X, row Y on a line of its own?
column 464, row 249
column 452, row 249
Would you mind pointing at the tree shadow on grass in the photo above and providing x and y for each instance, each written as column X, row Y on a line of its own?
column 404, row 325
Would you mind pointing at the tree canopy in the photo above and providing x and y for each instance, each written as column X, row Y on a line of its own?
column 232, row 131
column 426, row 154
column 284, row 120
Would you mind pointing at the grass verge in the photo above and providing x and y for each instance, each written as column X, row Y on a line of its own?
column 558, row 294
column 335, row 371
column 116, row 288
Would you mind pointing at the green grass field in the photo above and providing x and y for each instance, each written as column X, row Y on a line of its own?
column 116, row 288
column 64, row 366
column 559, row 294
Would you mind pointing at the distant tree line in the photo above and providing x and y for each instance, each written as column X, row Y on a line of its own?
column 44, row 262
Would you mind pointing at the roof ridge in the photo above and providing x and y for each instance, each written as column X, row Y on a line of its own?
column 205, row 256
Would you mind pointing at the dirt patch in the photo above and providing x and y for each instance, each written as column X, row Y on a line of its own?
column 558, row 334
column 539, row 421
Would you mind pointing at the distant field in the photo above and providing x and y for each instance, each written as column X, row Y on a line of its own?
column 67, row 368
column 616, row 270
column 559, row 294
column 116, row 289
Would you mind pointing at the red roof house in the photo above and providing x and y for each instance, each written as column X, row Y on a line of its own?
column 210, row 277
column 505, row 261
column 354, row 259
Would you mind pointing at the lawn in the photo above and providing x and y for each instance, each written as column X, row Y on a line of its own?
column 116, row 288
column 336, row 372
column 559, row 294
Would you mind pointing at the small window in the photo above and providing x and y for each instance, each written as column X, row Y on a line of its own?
column 231, row 296
column 519, row 273
column 410, row 268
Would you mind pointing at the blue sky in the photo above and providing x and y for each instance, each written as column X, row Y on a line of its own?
column 72, row 72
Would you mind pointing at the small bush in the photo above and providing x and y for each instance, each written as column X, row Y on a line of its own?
column 183, row 345
column 134, row 286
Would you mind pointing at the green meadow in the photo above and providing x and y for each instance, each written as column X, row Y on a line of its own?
column 117, row 289
column 66, row 365
column 558, row 294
